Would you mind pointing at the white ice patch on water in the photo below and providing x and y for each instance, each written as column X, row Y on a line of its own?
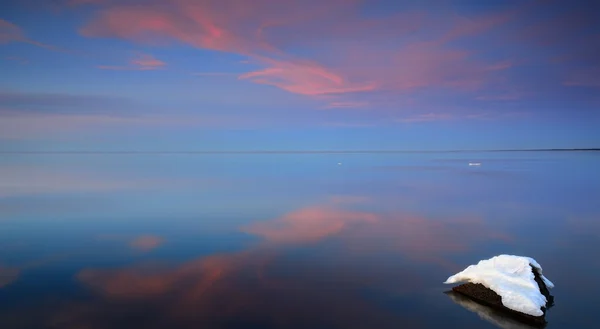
column 512, row 278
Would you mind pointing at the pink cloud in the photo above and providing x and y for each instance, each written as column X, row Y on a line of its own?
column 10, row 32
column 339, row 23
column 346, row 105
column 469, row 26
column 308, row 224
column 199, row 23
column 423, row 64
column 305, row 78
column 141, row 62
column 358, row 54
column 423, row 239
column 250, row 282
column 146, row 242
column 589, row 77
column 414, row 237
column 145, row 60
column 205, row 273
column 503, row 65
column 210, row 291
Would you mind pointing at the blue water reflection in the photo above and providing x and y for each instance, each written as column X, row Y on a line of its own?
column 286, row 240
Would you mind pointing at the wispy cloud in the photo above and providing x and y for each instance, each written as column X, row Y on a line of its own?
column 469, row 26
column 143, row 243
column 490, row 115
column 203, row 284
column 16, row 125
column 147, row 61
column 346, row 105
column 30, row 180
column 257, row 32
column 317, row 49
column 18, row 59
column 26, row 115
column 141, row 62
column 214, row 74
column 250, row 283
column 425, row 118
column 424, row 239
column 146, row 242
column 308, row 224
column 33, row 180
column 509, row 96
column 345, row 124
column 10, row 32
column 589, row 77
column 31, row 102
column 503, row 65
column 304, row 78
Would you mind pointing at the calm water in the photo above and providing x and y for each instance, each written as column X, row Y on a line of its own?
column 288, row 240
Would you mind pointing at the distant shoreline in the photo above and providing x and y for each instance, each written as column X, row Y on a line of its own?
column 303, row 152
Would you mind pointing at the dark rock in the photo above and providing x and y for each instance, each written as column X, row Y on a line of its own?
column 543, row 289
column 488, row 297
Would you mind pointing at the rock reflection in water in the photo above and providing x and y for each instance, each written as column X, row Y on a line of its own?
column 498, row 318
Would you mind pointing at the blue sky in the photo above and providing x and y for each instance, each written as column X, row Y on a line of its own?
column 183, row 75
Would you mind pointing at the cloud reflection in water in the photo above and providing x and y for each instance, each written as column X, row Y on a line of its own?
column 265, row 284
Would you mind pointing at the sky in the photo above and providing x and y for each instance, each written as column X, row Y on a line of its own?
column 235, row 75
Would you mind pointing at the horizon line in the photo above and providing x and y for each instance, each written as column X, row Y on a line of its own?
column 303, row 151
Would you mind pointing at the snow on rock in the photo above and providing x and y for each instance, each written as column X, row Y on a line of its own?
column 512, row 278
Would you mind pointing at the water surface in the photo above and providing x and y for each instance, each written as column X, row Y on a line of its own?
column 288, row 240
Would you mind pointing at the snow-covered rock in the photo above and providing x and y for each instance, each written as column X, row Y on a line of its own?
column 512, row 278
